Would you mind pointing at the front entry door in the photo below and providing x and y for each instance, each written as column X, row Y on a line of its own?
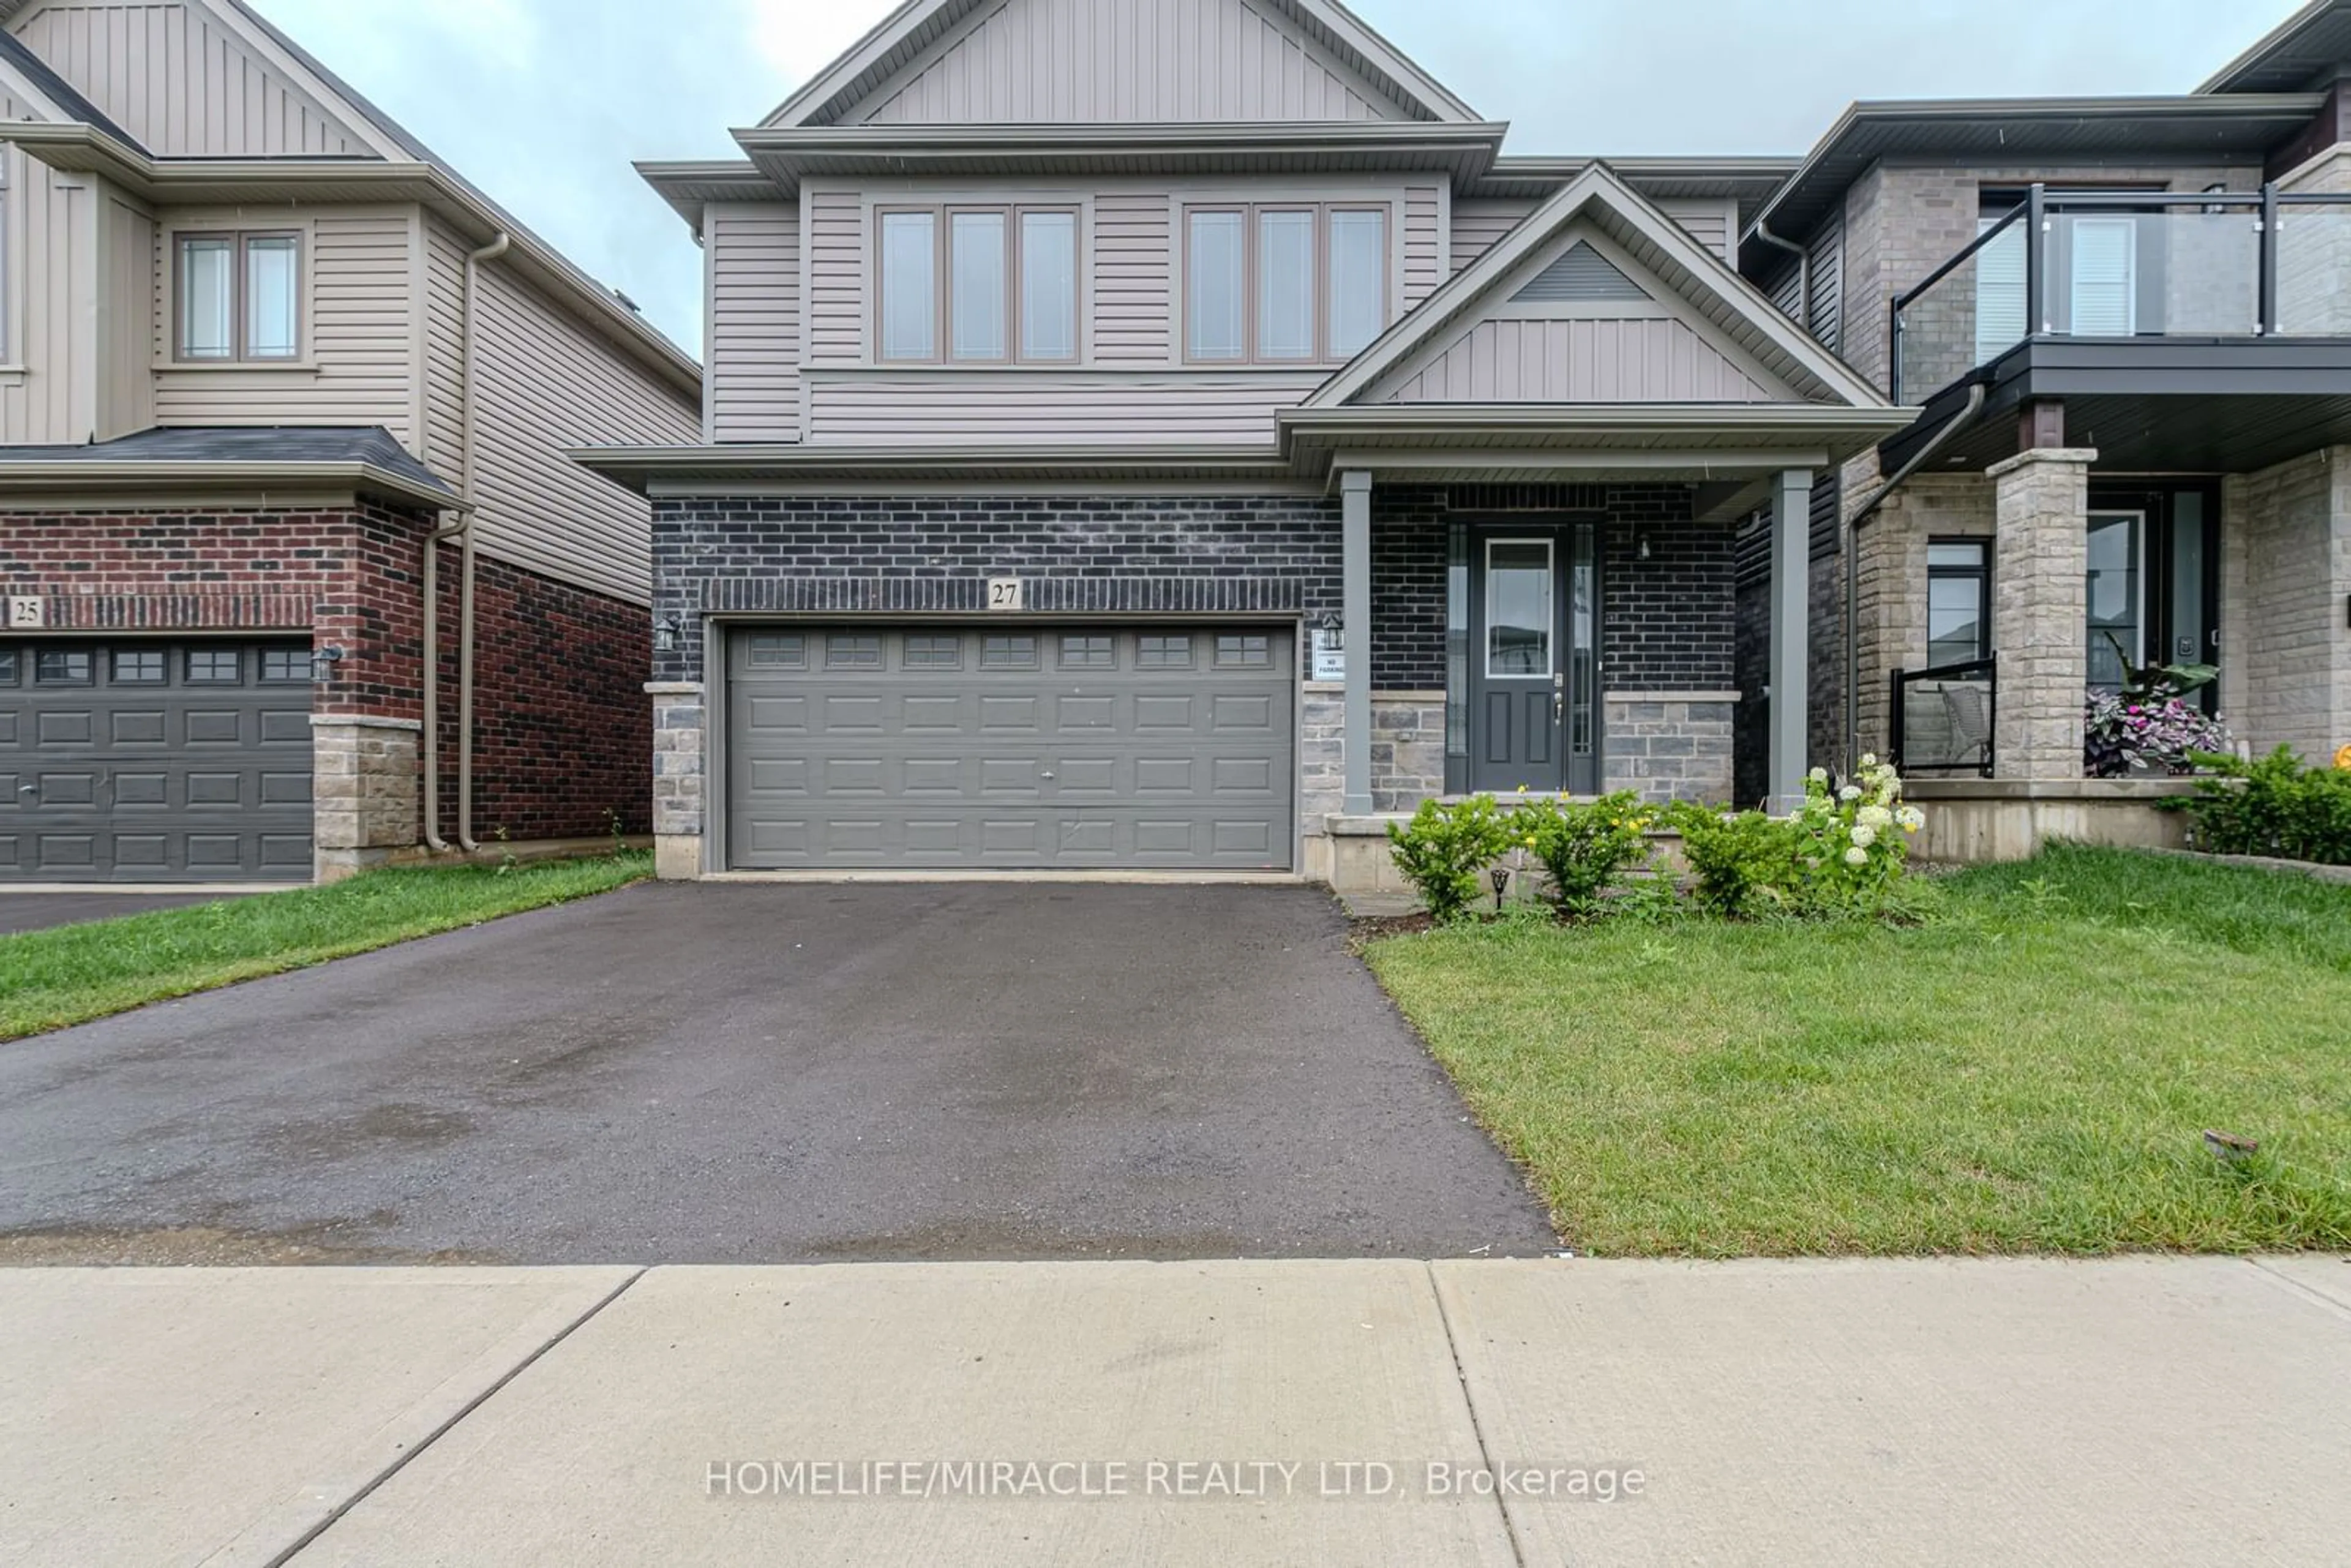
column 1533, row 630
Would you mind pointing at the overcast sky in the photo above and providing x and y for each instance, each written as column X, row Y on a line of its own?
column 543, row 103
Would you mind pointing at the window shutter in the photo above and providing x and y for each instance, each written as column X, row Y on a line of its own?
column 2106, row 283
column 1999, row 293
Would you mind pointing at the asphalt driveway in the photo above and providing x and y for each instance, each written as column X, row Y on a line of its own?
column 764, row 1073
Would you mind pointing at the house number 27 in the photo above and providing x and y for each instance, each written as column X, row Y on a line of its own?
column 1004, row 593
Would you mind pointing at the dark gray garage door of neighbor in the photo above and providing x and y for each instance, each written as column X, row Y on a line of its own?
column 1027, row 748
column 154, row 760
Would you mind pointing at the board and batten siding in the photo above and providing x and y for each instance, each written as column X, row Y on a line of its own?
column 1633, row 361
column 977, row 406
column 1081, row 61
column 182, row 82
column 126, row 338
column 754, row 279
column 358, row 363
column 77, row 257
column 1133, row 278
column 1479, row 225
column 545, row 381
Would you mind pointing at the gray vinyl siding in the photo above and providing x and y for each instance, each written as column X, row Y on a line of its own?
column 182, row 82
column 1424, row 242
column 359, row 363
column 443, row 308
column 969, row 406
column 1786, row 288
column 1479, row 225
column 755, row 319
column 1031, row 61
column 546, row 381
column 835, row 226
column 1581, row 361
column 1134, row 272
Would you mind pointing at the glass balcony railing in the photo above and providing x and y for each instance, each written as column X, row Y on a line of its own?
column 2125, row 265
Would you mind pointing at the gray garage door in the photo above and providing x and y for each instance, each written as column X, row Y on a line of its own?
column 1037, row 747
column 154, row 761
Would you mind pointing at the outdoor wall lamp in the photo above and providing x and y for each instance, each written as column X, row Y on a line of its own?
column 322, row 665
column 666, row 631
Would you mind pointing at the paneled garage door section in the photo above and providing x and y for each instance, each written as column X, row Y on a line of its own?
column 154, row 761
column 1081, row 747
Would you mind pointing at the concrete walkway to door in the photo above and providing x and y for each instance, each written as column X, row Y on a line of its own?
column 773, row 1074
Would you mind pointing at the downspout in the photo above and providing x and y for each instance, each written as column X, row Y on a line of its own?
column 1861, row 515
column 463, row 532
column 1804, row 271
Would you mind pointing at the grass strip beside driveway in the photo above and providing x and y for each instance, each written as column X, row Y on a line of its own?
column 2033, row 1072
column 71, row 974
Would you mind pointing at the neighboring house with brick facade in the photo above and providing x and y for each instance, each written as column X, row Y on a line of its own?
column 2125, row 328
column 1172, row 434
column 259, row 349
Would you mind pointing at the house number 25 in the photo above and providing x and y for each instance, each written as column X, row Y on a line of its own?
column 1004, row 593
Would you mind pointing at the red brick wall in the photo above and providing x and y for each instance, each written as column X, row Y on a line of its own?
column 562, row 728
column 562, row 733
column 347, row 577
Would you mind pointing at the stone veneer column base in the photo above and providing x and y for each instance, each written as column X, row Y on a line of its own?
column 681, row 764
column 1407, row 751
column 1669, row 746
column 2040, row 613
column 365, row 787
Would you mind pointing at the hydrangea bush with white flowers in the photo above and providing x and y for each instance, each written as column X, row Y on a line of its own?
column 1855, row 835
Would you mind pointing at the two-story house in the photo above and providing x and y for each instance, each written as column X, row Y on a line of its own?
column 1168, row 434
column 298, row 578
column 2124, row 326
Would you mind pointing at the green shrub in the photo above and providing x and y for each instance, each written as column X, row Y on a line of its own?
column 2272, row 807
column 1446, row 849
column 1586, row 848
column 1842, row 853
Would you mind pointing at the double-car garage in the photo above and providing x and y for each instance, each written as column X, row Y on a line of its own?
column 1003, row 746
column 154, row 760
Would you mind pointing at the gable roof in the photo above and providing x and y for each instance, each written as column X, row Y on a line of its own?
column 1680, row 262
column 563, row 277
column 2300, row 52
column 52, row 91
column 902, row 37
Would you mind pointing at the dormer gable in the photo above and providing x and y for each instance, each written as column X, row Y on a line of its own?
column 1005, row 62
column 1597, row 297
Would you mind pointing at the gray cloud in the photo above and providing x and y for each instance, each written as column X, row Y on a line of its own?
column 545, row 103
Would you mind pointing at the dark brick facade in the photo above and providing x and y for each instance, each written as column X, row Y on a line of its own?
column 1668, row 620
column 562, row 734
column 1077, row 554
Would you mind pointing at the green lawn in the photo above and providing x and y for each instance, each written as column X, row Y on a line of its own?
column 75, row 973
column 2032, row 1071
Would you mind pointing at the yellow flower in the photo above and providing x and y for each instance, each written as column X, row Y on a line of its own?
column 2343, row 759
column 1522, row 789
column 1530, row 844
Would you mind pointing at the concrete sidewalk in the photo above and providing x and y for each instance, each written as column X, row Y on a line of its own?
column 2138, row 1410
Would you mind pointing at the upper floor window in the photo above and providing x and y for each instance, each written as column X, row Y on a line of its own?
column 979, row 284
column 239, row 297
column 1280, row 284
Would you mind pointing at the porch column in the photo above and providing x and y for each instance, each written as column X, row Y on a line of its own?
column 2040, row 613
column 1790, row 706
column 1355, row 502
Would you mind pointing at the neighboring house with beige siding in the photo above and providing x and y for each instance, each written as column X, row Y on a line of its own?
column 261, row 346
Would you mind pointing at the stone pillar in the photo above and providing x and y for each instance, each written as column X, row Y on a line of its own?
column 1790, row 716
column 1355, row 521
column 2040, row 614
column 364, row 790
column 680, row 768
